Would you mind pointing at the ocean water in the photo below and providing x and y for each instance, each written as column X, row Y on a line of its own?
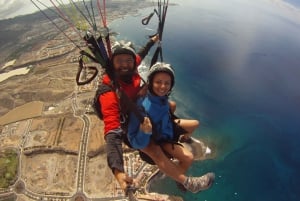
column 237, row 65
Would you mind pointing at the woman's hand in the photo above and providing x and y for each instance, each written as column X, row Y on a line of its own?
column 146, row 126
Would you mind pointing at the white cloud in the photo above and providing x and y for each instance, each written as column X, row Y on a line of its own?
column 8, row 8
column 12, row 8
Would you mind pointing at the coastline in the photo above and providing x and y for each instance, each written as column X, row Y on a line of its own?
column 150, row 180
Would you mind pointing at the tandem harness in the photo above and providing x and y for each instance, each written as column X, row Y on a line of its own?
column 125, row 103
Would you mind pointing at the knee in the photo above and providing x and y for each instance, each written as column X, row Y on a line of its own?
column 189, row 157
column 196, row 123
column 172, row 105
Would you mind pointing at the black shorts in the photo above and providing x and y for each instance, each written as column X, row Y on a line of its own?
column 178, row 131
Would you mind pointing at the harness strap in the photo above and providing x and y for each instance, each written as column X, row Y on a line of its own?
column 131, row 106
column 161, row 13
column 83, row 67
column 103, row 88
column 146, row 20
column 158, row 52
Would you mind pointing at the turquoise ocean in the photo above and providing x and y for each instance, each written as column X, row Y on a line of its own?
column 237, row 65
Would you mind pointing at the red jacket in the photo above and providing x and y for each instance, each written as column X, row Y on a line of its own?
column 110, row 102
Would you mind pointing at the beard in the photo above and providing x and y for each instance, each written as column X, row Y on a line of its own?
column 126, row 77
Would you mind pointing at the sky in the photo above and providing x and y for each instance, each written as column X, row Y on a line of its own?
column 12, row 8
column 9, row 7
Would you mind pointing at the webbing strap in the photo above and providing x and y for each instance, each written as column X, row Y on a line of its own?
column 161, row 13
column 81, row 68
column 131, row 106
column 158, row 52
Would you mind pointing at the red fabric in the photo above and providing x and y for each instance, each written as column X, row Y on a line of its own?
column 110, row 110
column 110, row 102
column 132, row 89
column 138, row 60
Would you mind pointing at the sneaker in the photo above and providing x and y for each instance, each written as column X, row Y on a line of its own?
column 196, row 184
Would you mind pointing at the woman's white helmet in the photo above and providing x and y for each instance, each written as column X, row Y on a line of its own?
column 160, row 67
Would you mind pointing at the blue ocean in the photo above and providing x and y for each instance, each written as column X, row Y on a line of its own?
column 237, row 65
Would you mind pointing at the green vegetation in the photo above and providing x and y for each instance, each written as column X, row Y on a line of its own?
column 8, row 168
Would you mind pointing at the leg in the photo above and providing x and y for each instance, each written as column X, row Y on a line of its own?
column 164, row 163
column 193, row 184
column 184, row 156
column 172, row 105
column 185, row 159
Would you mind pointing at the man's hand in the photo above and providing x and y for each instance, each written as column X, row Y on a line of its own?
column 123, row 179
column 155, row 38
